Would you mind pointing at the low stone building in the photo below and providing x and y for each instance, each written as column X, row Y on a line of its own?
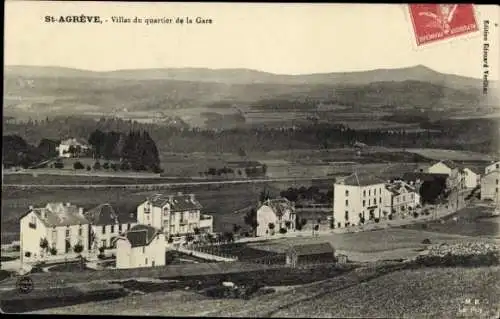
column 309, row 254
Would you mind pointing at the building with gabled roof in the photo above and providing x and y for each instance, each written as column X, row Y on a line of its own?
column 310, row 253
column 493, row 166
column 107, row 223
column 61, row 225
column 176, row 214
column 490, row 187
column 141, row 246
column 279, row 212
column 357, row 198
column 73, row 147
column 402, row 199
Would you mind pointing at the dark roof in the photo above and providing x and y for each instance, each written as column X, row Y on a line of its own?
column 141, row 235
column 179, row 202
column 312, row 249
column 106, row 214
column 60, row 214
column 362, row 179
column 413, row 176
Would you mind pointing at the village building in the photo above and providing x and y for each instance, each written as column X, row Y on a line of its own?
column 53, row 231
column 309, row 254
column 107, row 224
column 178, row 214
column 494, row 166
column 490, row 185
column 455, row 180
column 274, row 215
column 141, row 246
column 358, row 198
column 471, row 178
column 73, row 147
column 402, row 199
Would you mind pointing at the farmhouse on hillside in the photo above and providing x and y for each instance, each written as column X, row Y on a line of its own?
column 490, row 185
column 106, row 225
column 73, row 147
column 311, row 253
column 494, row 166
column 141, row 246
column 455, row 179
column 274, row 215
column 357, row 198
column 55, row 231
column 471, row 178
column 178, row 214
column 402, row 198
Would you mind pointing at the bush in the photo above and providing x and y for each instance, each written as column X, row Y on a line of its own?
column 78, row 165
column 415, row 214
column 101, row 256
column 426, row 241
column 97, row 165
column 27, row 254
column 390, row 217
column 377, row 220
column 105, row 165
column 88, row 168
column 114, row 167
column 282, row 230
column 53, row 251
column 101, row 250
column 124, row 166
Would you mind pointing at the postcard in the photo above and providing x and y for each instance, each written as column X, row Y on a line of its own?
column 251, row 159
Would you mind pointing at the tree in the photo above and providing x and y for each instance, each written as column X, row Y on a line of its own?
column 196, row 231
column 97, row 165
column 264, row 195
column 105, row 165
column 288, row 224
column 189, row 238
column 270, row 226
column 236, row 228
column 250, row 219
column 78, row 165
column 53, row 251
column 228, row 237
column 282, row 230
column 78, row 248
column 72, row 150
column 44, row 244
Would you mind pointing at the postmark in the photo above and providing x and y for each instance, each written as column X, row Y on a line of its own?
column 25, row 284
column 438, row 22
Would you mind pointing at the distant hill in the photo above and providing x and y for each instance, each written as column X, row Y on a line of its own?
column 246, row 76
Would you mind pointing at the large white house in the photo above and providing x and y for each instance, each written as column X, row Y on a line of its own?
column 471, row 179
column 141, row 246
column 358, row 197
column 107, row 224
column 61, row 226
column 178, row 214
column 495, row 166
column 401, row 199
column 72, row 147
column 280, row 213
column 490, row 185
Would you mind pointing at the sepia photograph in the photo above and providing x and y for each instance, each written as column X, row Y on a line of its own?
column 292, row 160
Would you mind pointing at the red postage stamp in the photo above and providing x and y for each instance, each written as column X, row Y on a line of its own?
column 434, row 22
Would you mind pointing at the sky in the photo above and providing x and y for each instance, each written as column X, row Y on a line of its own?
column 277, row 38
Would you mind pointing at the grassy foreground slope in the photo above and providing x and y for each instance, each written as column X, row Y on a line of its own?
column 432, row 292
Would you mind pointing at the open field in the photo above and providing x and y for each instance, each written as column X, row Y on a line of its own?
column 440, row 154
column 430, row 293
column 438, row 292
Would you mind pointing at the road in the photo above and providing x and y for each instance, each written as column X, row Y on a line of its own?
column 165, row 185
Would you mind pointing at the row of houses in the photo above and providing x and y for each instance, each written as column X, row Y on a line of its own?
column 61, row 230
column 363, row 197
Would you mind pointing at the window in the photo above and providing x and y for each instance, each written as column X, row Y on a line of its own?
column 497, row 181
column 67, row 232
column 146, row 261
column 375, row 191
column 32, row 223
column 347, row 202
column 346, row 215
column 364, row 193
column 369, row 192
column 496, row 190
column 54, row 236
column 346, row 193
column 128, row 226
column 380, row 200
column 369, row 202
column 404, row 198
column 104, row 229
column 143, row 250
column 103, row 243
column 80, row 231
column 119, row 228
column 112, row 228
column 364, row 203
column 497, row 166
